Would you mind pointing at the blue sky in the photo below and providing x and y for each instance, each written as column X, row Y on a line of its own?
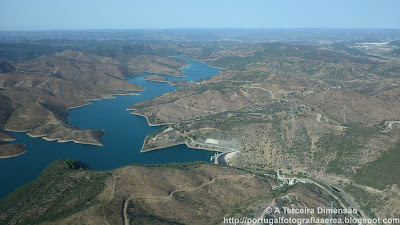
column 150, row 14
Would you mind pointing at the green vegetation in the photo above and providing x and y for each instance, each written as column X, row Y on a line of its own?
column 382, row 172
column 395, row 43
column 24, row 51
column 385, row 70
column 73, row 165
column 227, row 125
column 366, row 200
column 72, row 188
column 184, row 165
column 235, row 62
column 343, row 148
column 340, row 74
column 6, row 67
column 396, row 51
column 301, row 143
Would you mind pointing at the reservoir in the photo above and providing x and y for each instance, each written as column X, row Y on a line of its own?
column 124, row 134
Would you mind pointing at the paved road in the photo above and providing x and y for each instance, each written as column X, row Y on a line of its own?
column 320, row 186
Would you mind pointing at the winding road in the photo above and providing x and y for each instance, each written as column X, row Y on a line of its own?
column 169, row 197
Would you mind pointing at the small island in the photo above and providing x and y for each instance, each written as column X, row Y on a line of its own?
column 11, row 150
column 157, row 78
column 70, row 134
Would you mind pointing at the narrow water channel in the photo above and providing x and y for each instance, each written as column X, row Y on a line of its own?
column 123, row 137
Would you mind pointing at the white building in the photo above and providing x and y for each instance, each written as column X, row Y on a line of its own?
column 212, row 141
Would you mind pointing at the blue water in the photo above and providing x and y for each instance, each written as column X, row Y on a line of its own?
column 124, row 134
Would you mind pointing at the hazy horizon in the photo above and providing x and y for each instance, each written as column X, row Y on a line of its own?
column 196, row 28
column 42, row 15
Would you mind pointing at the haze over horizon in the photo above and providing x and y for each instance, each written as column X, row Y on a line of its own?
column 175, row 14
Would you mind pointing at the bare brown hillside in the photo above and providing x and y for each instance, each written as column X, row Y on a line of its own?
column 186, row 194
